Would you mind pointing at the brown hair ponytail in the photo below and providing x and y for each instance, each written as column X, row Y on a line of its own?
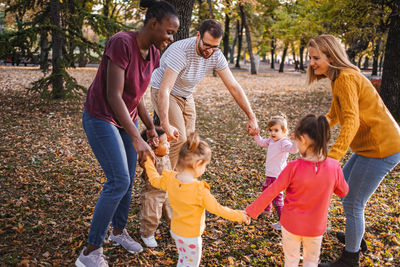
column 317, row 129
column 193, row 149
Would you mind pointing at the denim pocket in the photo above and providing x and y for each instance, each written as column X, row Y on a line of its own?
column 392, row 160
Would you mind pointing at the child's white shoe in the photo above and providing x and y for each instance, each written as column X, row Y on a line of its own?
column 150, row 241
column 277, row 226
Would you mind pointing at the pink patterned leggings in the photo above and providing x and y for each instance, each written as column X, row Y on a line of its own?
column 189, row 250
column 291, row 248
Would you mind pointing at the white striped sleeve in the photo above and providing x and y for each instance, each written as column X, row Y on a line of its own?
column 221, row 62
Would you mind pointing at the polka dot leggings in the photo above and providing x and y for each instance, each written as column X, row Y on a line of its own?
column 189, row 250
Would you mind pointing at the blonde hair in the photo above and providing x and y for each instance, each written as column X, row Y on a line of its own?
column 331, row 47
column 281, row 120
column 193, row 150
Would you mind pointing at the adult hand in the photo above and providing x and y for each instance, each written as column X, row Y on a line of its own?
column 172, row 133
column 143, row 150
column 252, row 127
column 152, row 138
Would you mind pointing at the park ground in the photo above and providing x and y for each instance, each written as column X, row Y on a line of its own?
column 50, row 180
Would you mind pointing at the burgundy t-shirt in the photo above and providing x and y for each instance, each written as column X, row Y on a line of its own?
column 123, row 50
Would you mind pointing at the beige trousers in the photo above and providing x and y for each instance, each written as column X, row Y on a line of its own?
column 182, row 116
column 154, row 202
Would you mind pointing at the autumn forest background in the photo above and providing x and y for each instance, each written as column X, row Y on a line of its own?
column 50, row 179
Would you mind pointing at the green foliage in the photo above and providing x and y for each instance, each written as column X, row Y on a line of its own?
column 103, row 25
column 20, row 40
column 72, row 88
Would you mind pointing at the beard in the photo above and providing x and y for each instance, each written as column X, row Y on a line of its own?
column 201, row 52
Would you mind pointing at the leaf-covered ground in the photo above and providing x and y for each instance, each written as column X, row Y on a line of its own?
column 50, row 180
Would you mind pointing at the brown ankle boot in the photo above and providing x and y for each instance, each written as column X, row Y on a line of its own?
column 348, row 259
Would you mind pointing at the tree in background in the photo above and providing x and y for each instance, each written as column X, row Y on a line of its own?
column 31, row 33
column 64, row 22
column 243, row 15
column 264, row 20
column 184, row 9
column 225, row 39
column 282, row 28
column 390, row 90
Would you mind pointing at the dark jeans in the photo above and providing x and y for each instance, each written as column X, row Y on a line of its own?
column 114, row 150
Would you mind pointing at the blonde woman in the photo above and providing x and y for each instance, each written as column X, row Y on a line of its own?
column 367, row 127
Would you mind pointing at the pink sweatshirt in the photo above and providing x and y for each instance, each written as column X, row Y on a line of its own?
column 277, row 154
column 309, row 186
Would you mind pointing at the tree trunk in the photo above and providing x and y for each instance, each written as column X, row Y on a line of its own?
column 359, row 61
column 281, row 67
column 366, row 63
column 381, row 63
column 211, row 10
column 357, row 47
column 234, row 42
column 273, row 47
column 253, row 69
column 44, row 51
column 69, row 55
column 240, row 42
column 82, row 59
column 302, row 47
column 106, row 13
column 184, row 9
column 225, row 40
column 376, row 56
column 390, row 90
column 295, row 62
column 57, row 45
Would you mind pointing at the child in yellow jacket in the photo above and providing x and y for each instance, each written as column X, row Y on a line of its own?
column 189, row 198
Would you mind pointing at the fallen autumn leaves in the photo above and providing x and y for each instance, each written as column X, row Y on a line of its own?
column 50, row 179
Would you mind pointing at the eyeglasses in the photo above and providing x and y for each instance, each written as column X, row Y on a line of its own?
column 208, row 46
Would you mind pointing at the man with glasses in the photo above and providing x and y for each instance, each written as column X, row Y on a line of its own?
column 182, row 66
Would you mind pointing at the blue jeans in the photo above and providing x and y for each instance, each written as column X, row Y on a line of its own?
column 114, row 150
column 363, row 176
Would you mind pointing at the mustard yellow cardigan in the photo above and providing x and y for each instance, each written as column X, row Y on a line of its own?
column 366, row 124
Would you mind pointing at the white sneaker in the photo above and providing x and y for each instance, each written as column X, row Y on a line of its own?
column 150, row 241
column 277, row 226
column 126, row 241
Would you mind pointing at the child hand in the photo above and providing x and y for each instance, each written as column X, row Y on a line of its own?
column 246, row 218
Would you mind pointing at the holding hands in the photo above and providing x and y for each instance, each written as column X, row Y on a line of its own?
column 152, row 138
column 172, row 133
column 246, row 218
column 252, row 127
column 143, row 150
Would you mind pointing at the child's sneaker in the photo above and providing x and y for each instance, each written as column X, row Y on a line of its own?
column 126, row 241
column 277, row 226
column 96, row 258
column 150, row 241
